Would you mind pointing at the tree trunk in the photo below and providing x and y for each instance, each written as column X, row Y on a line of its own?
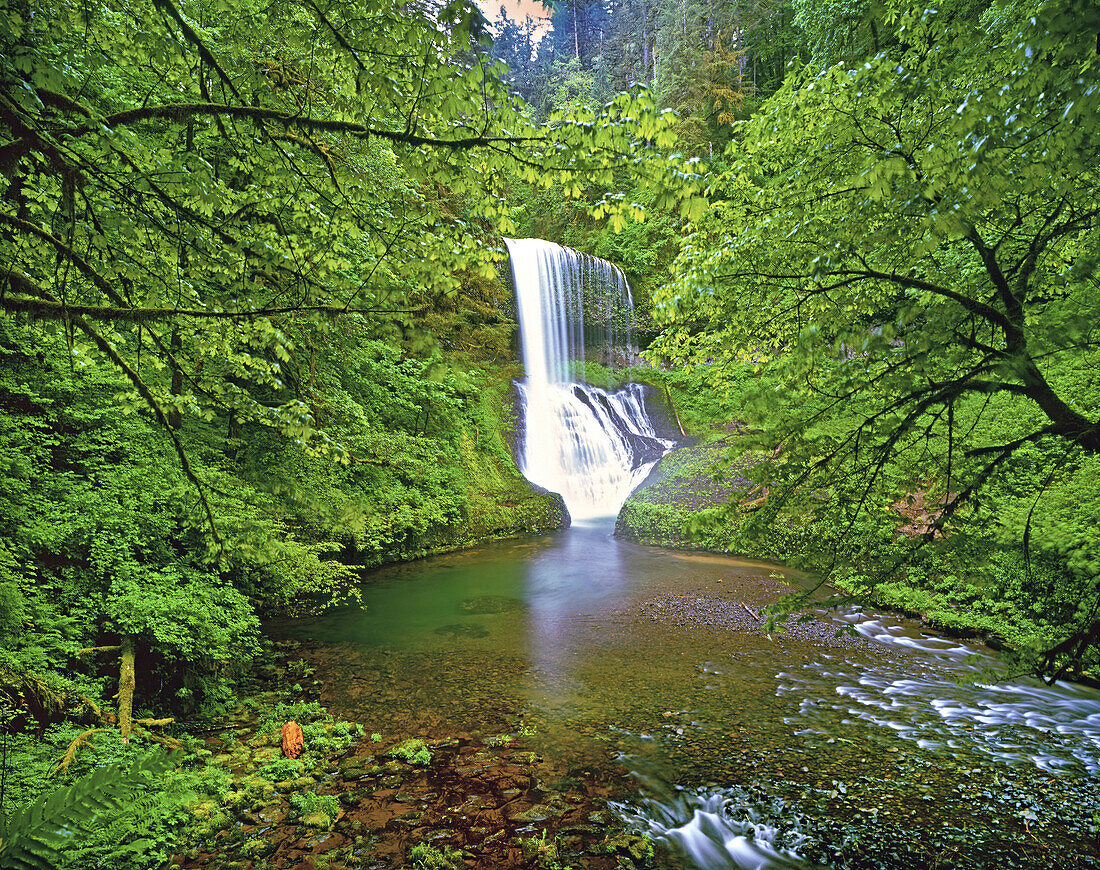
column 126, row 689
column 177, row 378
column 576, row 39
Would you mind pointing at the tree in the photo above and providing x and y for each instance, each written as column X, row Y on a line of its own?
column 514, row 45
column 905, row 242
column 702, row 68
column 184, row 180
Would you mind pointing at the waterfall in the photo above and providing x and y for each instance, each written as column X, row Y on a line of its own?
column 590, row 445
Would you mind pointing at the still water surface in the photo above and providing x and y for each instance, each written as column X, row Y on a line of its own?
column 745, row 750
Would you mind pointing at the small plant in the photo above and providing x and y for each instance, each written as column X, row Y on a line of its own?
column 413, row 751
column 543, row 852
column 498, row 740
column 316, row 810
column 325, row 737
column 375, row 737
column 425, row 857
column 37, row 833
column 299, row 669
column 302, row 712
column 282, row 769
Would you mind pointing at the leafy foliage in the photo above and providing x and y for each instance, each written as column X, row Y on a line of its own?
column 34, row 837
column 413, row 751
column 901, row 253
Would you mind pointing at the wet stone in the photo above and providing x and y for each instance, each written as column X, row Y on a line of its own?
column 357, row 765
column 537, row 813
column 474, row 803
column 320, row 842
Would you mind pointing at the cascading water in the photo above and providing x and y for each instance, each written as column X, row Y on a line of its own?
column 590, row 445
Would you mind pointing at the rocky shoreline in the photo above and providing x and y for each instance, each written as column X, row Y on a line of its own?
column 356, row 801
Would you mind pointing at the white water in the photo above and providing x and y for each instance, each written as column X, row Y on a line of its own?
column 1017, row 723
column 993, row 725
column 590, row 445
column 714, row 829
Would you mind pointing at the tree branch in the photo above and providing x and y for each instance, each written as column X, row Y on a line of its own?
column 44, row 307
column 180, row 112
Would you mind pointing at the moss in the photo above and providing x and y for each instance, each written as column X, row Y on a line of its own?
column 413, row 751
column 425, row 857
column 685, row 490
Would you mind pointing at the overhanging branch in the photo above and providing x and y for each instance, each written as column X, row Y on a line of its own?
column 181, row 112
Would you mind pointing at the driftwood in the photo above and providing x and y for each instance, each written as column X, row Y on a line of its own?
column 751, row 612
column 293, row 740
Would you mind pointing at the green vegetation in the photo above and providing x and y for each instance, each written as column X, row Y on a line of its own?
column 317, row 811
column 543, row 853
column 38, row 832
column 426, row 857
column 921, row 301
column 254, row 341
column 413, row 751
column 683, row 491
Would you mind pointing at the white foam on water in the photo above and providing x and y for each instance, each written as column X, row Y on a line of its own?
column 715, row 829
column 591, row 445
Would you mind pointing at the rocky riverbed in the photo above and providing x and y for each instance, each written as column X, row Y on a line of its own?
column 361, row 801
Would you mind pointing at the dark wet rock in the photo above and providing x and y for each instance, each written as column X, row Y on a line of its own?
column 537, row 813
column 485, row 604
column 355, row 766
column 322, row 841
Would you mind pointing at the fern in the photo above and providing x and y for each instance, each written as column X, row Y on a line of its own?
column 141, row 837
column 35, row 835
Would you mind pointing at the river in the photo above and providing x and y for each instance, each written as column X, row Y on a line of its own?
column 852, row 740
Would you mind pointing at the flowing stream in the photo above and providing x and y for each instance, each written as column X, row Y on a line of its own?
column 816, row 746
column 851, row 740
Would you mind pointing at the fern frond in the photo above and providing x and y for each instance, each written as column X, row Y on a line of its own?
column 35, row 835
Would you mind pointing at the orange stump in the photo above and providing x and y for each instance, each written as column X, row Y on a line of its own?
column 293, row 742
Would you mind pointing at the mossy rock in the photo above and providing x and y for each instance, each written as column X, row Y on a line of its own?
column 317, row 820
column 485, row 604
column 413, row 751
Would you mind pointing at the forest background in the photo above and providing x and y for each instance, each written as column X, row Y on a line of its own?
column 256, row 340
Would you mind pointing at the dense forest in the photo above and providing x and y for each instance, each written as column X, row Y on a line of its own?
column 258, row 336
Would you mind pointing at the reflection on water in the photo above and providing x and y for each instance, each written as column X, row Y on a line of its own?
column 618, row 655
